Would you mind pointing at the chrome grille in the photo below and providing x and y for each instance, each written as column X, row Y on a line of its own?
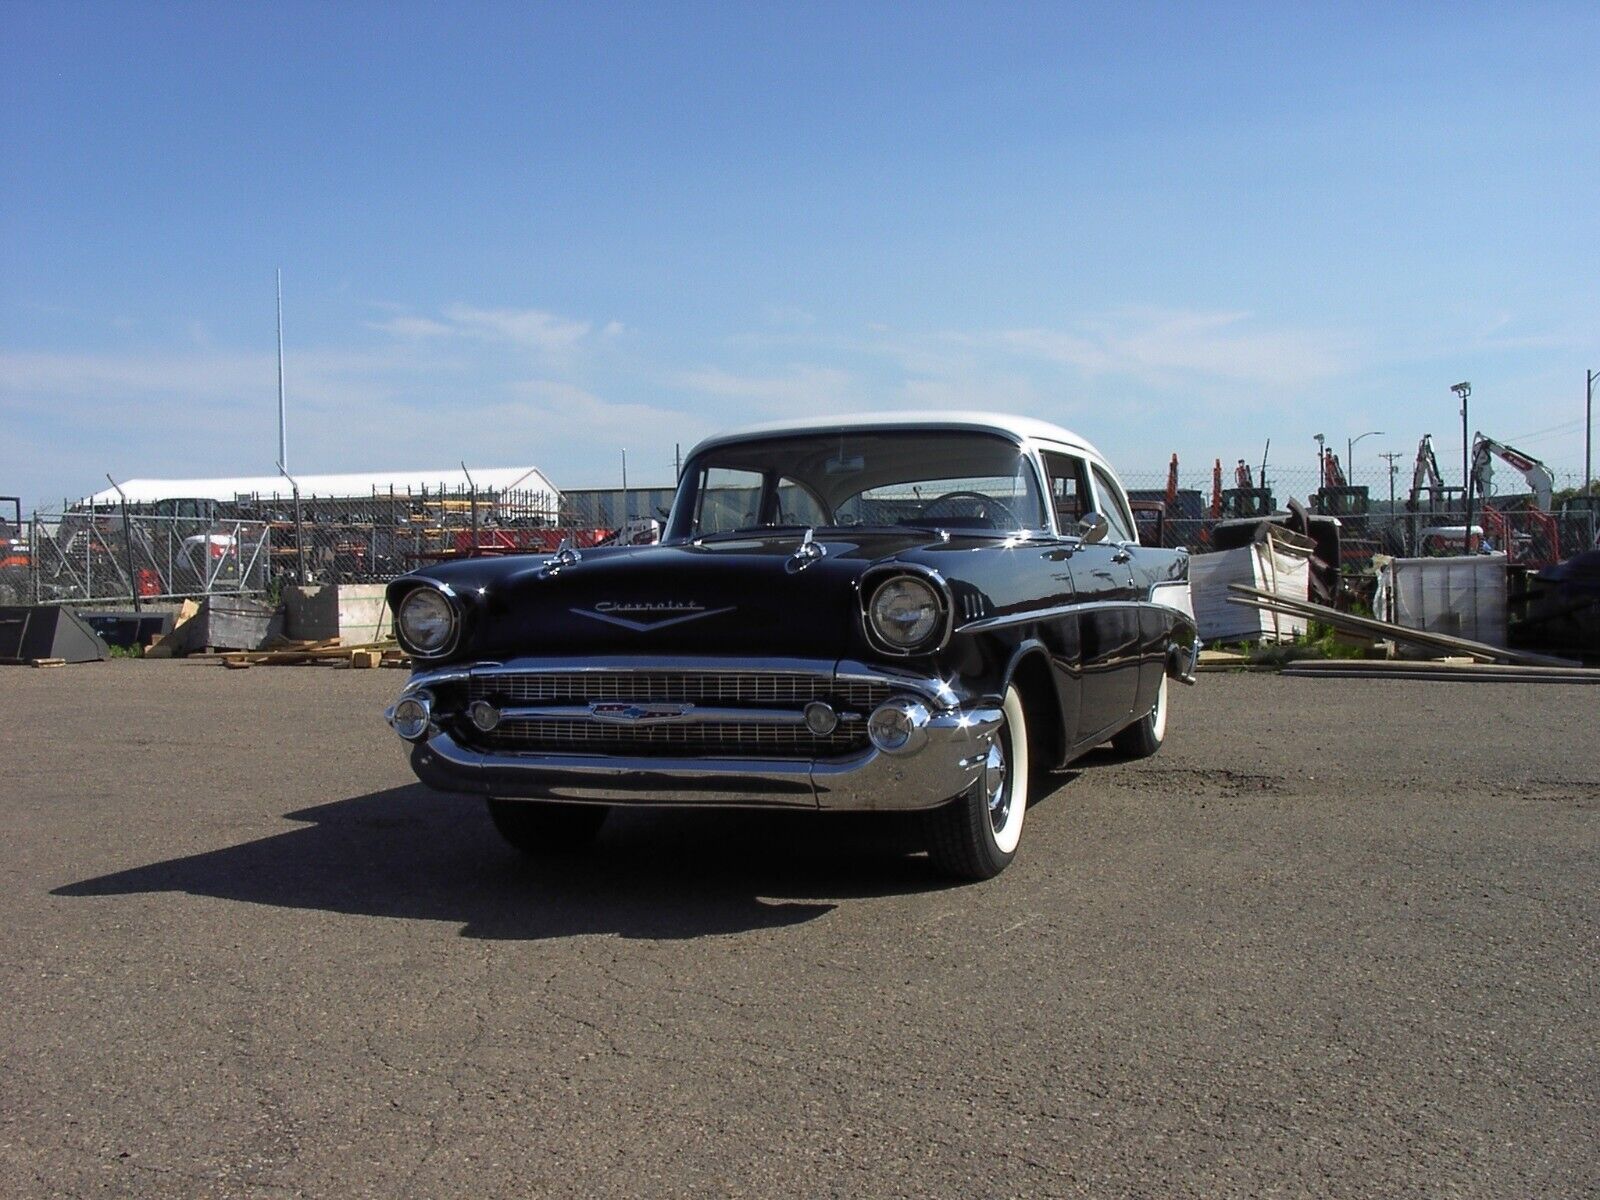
column 733, row 689
column 694, row 687
column 741, row 738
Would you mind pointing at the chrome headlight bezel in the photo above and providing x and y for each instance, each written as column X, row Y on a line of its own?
column 445, row 640
column 937, row 632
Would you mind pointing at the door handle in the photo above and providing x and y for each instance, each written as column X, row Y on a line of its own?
column 1122, row 555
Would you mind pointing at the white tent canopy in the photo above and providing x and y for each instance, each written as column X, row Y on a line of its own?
column 331, row 487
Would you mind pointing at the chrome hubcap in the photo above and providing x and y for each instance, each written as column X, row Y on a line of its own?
column 996, row 784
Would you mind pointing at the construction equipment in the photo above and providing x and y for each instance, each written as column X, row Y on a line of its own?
column 1425, row 477
column 1521, row 524
column 1336, row 497
column 1245, row 499
column 1541, row 482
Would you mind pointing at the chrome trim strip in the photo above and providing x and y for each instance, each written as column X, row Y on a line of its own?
column 647, row 626
column 1058, row 610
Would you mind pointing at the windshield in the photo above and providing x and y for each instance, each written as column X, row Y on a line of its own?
column 924, row 479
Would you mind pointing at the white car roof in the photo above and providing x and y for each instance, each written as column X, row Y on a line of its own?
column 1028, row 429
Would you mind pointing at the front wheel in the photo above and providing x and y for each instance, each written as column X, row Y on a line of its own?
column 976, row 835
column 1144, row 737
column 542, row 830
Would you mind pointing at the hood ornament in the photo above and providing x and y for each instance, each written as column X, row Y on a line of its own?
column 806, row 553
column 565, row 556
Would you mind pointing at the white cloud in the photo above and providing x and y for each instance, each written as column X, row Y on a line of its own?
column 529, row 327
column 412, row 327
column 800, row 389
column 1167, row 348
column 533, row 329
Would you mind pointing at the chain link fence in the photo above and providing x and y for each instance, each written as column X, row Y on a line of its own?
column 90, row 558
column 256, row 543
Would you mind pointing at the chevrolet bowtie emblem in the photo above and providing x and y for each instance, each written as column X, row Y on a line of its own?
column 642, row 616
column 621, row 712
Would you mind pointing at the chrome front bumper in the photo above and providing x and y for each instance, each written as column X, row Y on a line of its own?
column 944, row 760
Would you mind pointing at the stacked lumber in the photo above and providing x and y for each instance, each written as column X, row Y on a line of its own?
column 288, row 652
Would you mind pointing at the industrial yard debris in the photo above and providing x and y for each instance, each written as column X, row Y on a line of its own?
column 1351, row 623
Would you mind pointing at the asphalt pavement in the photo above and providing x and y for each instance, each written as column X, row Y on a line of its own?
column 1339, row 938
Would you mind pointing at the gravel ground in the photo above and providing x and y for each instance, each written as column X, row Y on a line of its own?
column 1337, row 939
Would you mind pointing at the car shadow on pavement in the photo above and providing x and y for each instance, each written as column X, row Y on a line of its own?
column 413, row 853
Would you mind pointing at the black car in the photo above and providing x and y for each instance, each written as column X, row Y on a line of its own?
column 869, row 613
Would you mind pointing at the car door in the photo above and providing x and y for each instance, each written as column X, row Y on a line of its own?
column 1107, row 620
column 1140, row 629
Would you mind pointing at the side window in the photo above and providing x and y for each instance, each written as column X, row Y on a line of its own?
column 1115, row 508
column 1069, row 489
column 728, row 500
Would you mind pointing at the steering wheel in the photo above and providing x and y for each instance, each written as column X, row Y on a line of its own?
column 984, row 504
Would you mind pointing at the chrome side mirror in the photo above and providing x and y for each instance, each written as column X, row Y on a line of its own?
column 1092, row 527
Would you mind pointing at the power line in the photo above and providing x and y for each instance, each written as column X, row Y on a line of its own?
column 1562, row 428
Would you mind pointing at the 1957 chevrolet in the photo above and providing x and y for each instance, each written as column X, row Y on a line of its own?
column 911, row 612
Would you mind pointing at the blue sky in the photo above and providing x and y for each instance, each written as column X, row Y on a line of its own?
column 536, row 234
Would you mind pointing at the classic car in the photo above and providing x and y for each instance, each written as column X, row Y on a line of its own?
column 909, row 612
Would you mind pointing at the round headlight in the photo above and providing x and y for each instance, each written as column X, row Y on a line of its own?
column 426, row 621
column 905, row 612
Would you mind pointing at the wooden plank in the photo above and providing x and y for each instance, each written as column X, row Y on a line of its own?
column 1434, row 673
column 1439, row 641
column 1405, row 666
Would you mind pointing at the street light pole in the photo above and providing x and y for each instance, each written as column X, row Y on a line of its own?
column 1350, row 453
column 1322, row 466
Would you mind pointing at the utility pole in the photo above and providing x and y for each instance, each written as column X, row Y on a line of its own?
column 1393, row 471
column 1588, row 428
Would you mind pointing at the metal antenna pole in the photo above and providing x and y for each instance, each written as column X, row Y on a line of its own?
column 283, row 421
column 1463, row 390
column 127, row 546
column 474, row 488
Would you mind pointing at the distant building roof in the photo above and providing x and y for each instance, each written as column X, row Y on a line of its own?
column 340, row 487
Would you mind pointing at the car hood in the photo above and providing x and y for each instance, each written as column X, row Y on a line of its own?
column 743, row 597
